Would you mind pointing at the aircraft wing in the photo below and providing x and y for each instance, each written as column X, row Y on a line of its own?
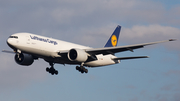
column 112, row 50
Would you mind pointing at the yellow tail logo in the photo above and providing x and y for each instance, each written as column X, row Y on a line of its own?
column 114, row 40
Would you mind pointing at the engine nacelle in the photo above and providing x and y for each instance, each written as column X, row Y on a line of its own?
column 24, row 59
column 78, row 55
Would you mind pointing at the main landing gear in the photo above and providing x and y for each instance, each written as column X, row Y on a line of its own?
column 51, row 70
column 82, row 69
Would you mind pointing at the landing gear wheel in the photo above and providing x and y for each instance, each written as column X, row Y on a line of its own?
column 86, row 70
column 52, row 73
column 51, row 70
column 77, row 68
column 82, row 69
column 56, row 72
column 47, row 69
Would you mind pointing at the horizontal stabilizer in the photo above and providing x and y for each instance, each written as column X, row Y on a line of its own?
column 126, row 58
column 7, row 51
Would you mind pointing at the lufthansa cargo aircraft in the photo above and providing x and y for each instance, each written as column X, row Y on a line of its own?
column 29, row 47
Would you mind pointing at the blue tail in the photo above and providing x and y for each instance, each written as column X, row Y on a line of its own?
column 113, row 40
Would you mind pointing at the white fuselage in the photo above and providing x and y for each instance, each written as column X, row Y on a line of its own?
column 48, row 48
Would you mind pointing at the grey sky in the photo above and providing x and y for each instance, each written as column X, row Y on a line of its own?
column 91, row 23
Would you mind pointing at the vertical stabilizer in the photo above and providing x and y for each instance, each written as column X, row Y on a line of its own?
column 113, row 40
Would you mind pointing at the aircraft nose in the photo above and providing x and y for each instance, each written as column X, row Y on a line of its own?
column 10, row 42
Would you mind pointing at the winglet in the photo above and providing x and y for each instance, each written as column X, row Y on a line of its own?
column 113, row 40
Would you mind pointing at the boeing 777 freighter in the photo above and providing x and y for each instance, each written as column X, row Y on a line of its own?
column 29, row 47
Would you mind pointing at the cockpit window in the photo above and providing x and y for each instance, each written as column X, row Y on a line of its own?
column 13, row 37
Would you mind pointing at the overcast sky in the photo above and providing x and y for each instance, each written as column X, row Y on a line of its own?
column 91, row 23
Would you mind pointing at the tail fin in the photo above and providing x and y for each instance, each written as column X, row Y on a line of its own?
column 113, row 40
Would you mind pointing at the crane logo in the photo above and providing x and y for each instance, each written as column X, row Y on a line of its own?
column 114, row 40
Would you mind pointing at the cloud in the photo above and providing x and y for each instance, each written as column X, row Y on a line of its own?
column 134, row 99
column 150, row 33
column 167, row 97
column 176, row 97
column 14, row 76
column 167, row 87
column 62, row 17
column 105, row 11
column 131, row 87
column 173, row 72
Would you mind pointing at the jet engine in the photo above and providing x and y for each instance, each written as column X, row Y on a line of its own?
column 24, row 59
column 78, row 55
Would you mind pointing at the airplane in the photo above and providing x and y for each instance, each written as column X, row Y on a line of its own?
column 29, row 47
